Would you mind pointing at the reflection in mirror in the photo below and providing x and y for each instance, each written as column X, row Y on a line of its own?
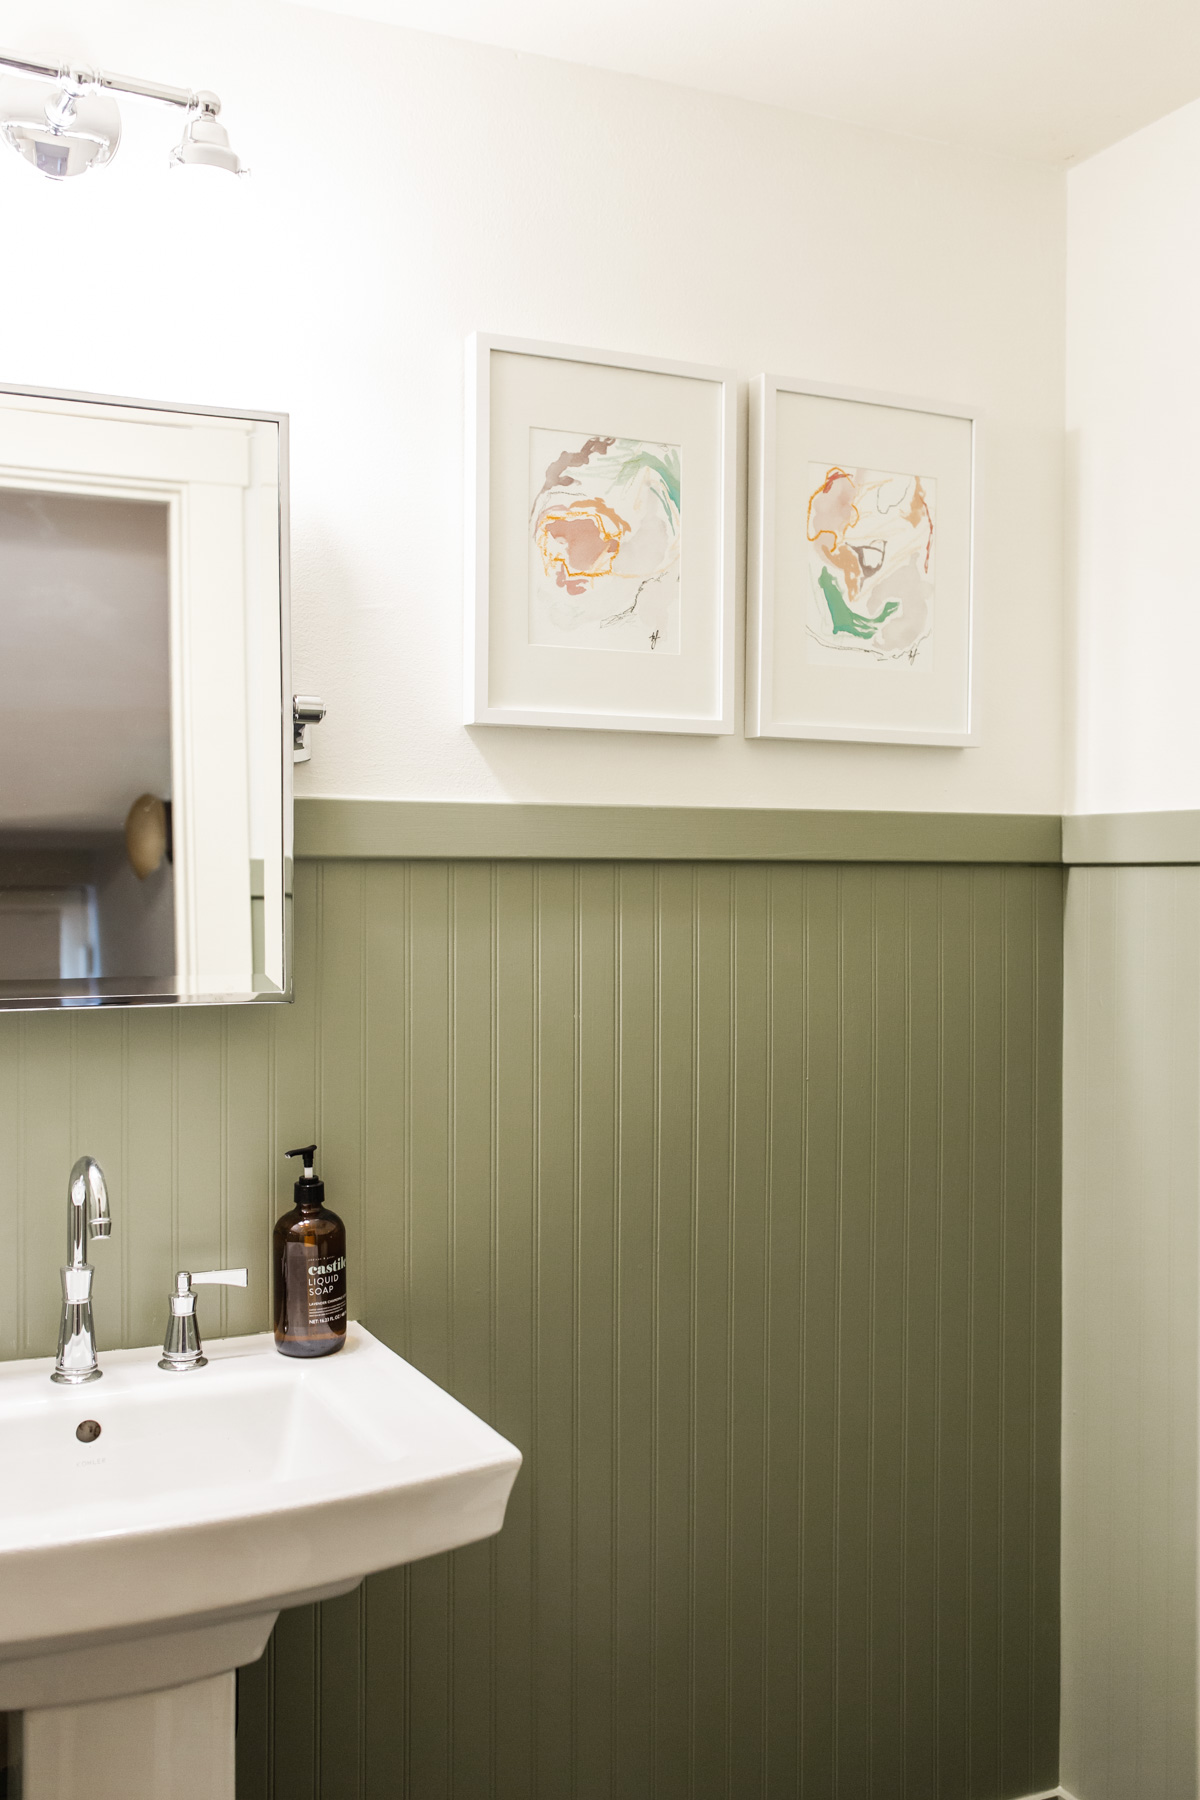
column 85, row 729
column 144, row 748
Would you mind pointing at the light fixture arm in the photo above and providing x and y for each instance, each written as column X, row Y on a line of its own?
column 79, row 126
column 78, row 77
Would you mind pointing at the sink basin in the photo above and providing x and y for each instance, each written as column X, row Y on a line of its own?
column 158, row 1554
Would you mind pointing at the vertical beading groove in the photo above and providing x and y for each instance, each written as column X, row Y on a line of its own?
column 366, row 882
column 655, row 1309
column 270, row 1152
column 406, row 1277
column 493, row 1694
column 838, row 1297
column 614, row 1621
column 366, row 886
column 319, row 1006
column 318, row 1621
column 536, row 1785
column 223, row 1174
column 1006, row 880
column 451, row 1248
column 769, row 1198
column 731, row 1248
column 576, row 1276
column 127, row 1172
column 800, row 1422
column 175, row 1035
column 872, row 1326
column 22, row 1185
column 694, row 1101
column 972, row 1201
column 937, row 1757
column 1038, row 884
column 906, row 1338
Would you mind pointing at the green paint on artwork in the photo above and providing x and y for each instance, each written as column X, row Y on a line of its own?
column 665, row 467
column 669, row 471
column 842, row 617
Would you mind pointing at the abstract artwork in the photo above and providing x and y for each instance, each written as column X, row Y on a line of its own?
column 870, row 561
column 860, row 596
column 605, row 534
column 588, row 607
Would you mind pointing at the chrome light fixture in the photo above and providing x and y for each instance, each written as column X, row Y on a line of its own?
column 62, row 130
column 205, row 143
column 63, row 120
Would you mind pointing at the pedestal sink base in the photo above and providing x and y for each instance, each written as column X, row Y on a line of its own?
column 110, row 1665
column 113, row 1669
column 177, row 1742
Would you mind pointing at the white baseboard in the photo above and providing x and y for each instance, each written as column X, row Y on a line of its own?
column 1058, row 1793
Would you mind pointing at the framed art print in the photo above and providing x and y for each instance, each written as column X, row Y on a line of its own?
column 601, row 539
column 862, row 535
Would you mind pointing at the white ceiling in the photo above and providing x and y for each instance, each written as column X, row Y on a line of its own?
column 1050, row 79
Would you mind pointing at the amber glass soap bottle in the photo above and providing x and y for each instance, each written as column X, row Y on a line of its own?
column 310, row 1270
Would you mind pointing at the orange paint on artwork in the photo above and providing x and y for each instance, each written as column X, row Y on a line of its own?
column 831, row 510
column 832, row 513
column 913, row 515
column 580, row 542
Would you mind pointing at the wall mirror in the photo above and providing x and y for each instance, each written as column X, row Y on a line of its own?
column 145, row 707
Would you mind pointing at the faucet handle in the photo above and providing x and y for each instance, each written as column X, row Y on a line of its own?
column 182, row 1348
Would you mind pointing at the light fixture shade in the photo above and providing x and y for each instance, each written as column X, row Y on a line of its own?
column 205, row 144
column 59, row 131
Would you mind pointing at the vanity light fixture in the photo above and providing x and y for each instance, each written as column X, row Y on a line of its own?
column 62, row 119
column 205, row 143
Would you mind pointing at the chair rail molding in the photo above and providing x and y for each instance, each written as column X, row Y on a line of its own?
column 414, row 829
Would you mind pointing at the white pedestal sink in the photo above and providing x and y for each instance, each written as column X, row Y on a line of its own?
column 138, row 1569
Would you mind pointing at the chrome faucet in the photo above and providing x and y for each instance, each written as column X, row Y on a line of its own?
column 87, row 1214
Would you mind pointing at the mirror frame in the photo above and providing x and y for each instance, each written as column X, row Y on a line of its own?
column 284, row 995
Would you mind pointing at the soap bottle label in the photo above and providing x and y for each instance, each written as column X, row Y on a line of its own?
column 316, row 1293
column 327, row 1292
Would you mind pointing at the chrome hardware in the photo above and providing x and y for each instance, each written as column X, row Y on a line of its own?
column 181, row 1346
column 307, row 710
column 87, row 1214
column 73, row 124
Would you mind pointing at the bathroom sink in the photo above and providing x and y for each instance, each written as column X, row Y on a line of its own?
column 158, row 1552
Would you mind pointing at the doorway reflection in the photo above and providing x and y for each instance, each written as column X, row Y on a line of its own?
column 85, row 732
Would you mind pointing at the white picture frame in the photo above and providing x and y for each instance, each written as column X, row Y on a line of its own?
column 535, row 654
column 801, row 681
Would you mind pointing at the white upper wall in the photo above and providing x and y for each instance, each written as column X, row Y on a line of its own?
column 408, row 189
column 1133, row 401
column 1055, row 79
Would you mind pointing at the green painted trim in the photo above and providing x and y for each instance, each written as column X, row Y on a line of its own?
column 414, row 829
column 1145, row 838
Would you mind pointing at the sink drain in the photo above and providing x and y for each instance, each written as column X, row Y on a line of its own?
column 87, row 1431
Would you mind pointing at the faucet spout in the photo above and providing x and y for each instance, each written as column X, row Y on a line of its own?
column 87, row 1214
column 87, row 1208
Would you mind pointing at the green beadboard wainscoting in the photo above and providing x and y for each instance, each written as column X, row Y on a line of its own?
column 730, row 1193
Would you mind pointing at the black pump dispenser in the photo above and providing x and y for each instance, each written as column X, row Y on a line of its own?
column 309, row 1191
column 310, row 1269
